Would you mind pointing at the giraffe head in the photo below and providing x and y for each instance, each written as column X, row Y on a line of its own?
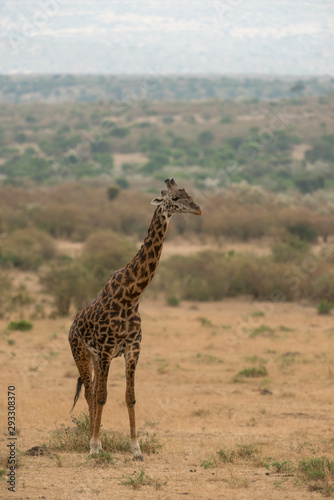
column 175, row 200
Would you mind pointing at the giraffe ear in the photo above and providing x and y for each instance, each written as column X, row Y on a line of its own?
column 157, row 201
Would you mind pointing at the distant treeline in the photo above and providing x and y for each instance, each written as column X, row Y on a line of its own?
column 85, row 88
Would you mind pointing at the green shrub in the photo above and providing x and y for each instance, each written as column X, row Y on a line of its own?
column 227, row 119
column 21, row 325
column 122, row 182
column 119, row 132
column 113, row 192
column 253, row 372
column 304, row 230
column 173, row 301
column 68, row 282
column 20, row 138
column 205, row 137
column 168, row 119
column 325, row 307
column 316, row 468
column 323, row 287
column 293, row 249
column 5, row 291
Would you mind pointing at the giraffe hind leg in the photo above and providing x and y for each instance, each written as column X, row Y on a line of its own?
column 95, row 442
column 83, row 360
column 100, row 397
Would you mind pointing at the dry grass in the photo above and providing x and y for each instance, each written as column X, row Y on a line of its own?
column 262, row 438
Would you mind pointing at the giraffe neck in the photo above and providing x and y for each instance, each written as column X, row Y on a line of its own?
column 138, row 274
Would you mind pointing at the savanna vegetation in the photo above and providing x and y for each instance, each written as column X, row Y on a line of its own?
column 84, row 173
column 90, row 88
column 249, row 373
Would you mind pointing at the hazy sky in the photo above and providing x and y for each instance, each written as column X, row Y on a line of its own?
column 172, row 37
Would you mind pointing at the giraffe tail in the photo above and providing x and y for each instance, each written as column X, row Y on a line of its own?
column 77, row 392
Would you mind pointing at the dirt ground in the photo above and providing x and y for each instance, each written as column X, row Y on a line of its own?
column 189, row 394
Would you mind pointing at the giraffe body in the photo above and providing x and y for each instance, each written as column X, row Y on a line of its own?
column 111, row 325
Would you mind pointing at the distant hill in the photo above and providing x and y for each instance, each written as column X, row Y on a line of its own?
column 152, row 87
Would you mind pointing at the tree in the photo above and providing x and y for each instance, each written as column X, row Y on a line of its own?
column 104, row 252
column 205, row 137
column 67, row 282
column 113, row 192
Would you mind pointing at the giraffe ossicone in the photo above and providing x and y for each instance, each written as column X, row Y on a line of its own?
column 111, row 325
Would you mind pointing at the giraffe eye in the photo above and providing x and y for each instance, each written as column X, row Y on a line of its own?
column 175, row 198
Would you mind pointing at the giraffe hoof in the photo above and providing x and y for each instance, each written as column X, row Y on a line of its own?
column 139, row 458
column 95, row 452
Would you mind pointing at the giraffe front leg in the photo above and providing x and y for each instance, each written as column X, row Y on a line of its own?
column 131, row 360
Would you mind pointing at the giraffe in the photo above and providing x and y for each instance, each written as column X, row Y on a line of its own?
column 111, row 325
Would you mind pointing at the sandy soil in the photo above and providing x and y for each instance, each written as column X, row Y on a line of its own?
column 178, row 246
column 120, row 158
column 187, row 394
column 298, row 151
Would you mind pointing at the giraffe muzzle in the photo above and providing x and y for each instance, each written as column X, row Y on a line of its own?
column 196, row 209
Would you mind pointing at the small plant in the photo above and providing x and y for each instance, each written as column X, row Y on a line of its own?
column 257, row 314
column 316, row 468
column 246, row 451
column 263, row 331
column 173, row 301
column 285, row 329
column 11, row 341
column 102, row 459
column 208, row 358
column 325, row 307
column 137, row 481
column 226, row 456
column 21, row 325
column 285, row 466
column 58, row 460
column 256, row 359
column 253, row 372
column 242, row 452
column 113, row 192
column 210, row 462
column 205, row 321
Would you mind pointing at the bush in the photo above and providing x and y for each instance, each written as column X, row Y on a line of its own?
column 68, row 282
column 316, row 468
column 21, row 325
column 173, row 301
column 323, row 288
column 253, row 372
column 293, row 249
column 205, row 137
column 63, row 220
column 20, row 138
column 27, row 249
column 322, row 150
column 104, row 252
column 113, row 192
column 220, row 275
column 122, row 182
column 119, row 132
column 304, row 231
column 325, row 307
column 5, row 292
